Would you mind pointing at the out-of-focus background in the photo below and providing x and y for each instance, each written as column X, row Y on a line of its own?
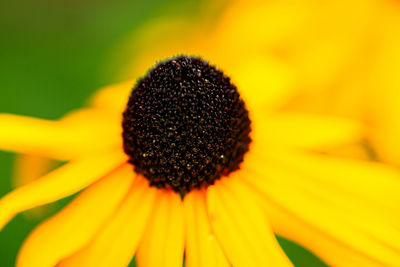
column 338, row 57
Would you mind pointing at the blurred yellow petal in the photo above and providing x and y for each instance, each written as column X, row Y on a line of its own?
column 333, row 252
column 163, row 241
column 52, row 139
column 346, row 98
column 153, row 43
column 116, row 243
column 327, row 49
column 107, row 127
column 75, row 225
column 57, row 184
column 348, row 205
column 311, row 131
column 28, row 168
column 363, row 181
column 260, row 26
column 263, row 83
column 113, row 98
column 103, row 122
column 100, row 129
column 360, row 150
column 241, row 226
column 384, row 80
column 202, row 248
column 36, row 136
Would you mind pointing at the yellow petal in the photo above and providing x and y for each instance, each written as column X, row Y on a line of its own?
column 368, row 182
column 384, row 81
column 259, row 27
column 57, row 184
column 152, row 43
column 114, row 97
column 115, row 244
column 241, row 226
column 329, row 50
column 202, row 248
column 75, row 225
column 348, row 207
column 264, row 83
column 310, row 131
column 99, row 129
column 35, row 136
column 163, row 241
column 334, row 252
column 28, row 168
column 48, row 138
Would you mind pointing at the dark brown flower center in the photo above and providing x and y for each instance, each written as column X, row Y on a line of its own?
column 185, row 125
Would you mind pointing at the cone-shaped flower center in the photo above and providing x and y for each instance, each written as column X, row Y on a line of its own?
column 185, row 125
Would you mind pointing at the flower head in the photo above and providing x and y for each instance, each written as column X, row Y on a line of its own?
column 185, row 125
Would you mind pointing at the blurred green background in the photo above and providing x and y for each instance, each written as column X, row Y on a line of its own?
column 53, row 56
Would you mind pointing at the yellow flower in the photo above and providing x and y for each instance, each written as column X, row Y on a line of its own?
column 344, row 211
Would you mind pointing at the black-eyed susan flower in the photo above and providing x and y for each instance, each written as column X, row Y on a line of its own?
column 201, row 175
